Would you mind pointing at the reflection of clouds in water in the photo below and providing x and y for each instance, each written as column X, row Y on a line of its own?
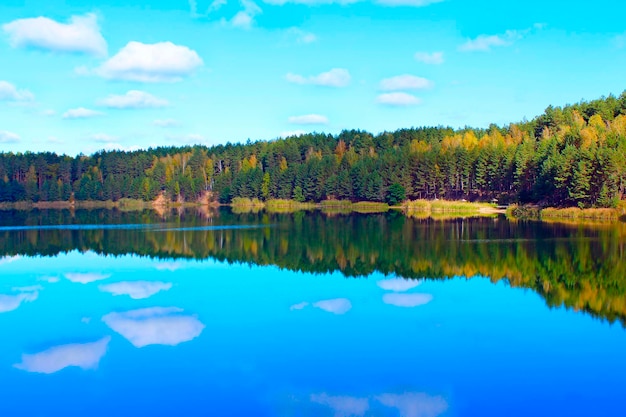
column 299, row 306
column 408, row 404
column 86, row 277
column 32, row 288
column 336, row 306
column 136, row 290
column 414, row 404
column 50, row 279
column 168, row 266
column 155, row 326
column 407, row 300
column 9, row 259
column 12, row 302
column 342, row 406
column 398, row 284
column 82, row 355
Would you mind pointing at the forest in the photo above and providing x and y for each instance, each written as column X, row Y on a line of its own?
column 568, row 156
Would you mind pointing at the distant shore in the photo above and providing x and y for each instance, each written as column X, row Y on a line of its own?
column 439, row 209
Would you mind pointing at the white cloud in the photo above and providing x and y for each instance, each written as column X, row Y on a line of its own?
column 133, row 99
column 414, row 404
column 103, row 138
column 158, row 62
column 407, row 3
column 335, row 306
column 166, row 123
column 82, row 355
column 86, row 277
column 389, row 3
column 137, row 290
column 80, row 35
column 188, row 139
column 398, row 99
column 155, row 326
column 299, row 306
column 12, row 302
column 245, row 18
column 435, row 58
column 48, row 113
column 309, row 119
column 310, row 2
column 289, row 133
column 407, row 300
column 336, row 77
column 213, row 6
column 81, row 113
column 8, row 92
column 9, row 137
column 301, row 36
column 343, row 406
column 398, row 284
column 484, row 43
column 405, row 82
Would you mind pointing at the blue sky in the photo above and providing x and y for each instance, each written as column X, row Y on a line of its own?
column 79, row 76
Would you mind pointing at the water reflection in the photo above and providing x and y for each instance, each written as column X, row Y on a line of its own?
column 8, row 259
column 335, row 306
column 580, row 267
column 404, row 404
column 412, row 404
column 86, row 277
column 342, row 406
column 82, row 355
column 155, row 326
column 398, row 284
column 137, row 290
column 407, row 300
column 12, row 302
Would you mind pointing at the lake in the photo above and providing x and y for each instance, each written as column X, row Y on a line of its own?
column 214, row 313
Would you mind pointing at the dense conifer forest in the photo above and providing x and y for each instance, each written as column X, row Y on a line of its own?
column 568, row 156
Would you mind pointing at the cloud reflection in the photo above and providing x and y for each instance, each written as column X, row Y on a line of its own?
column 136, row 290
column 155, row 326
column 49, row 279
column 343, row 406
column 168, row 266
column 9, row 259
column 12, row 302
column 299, row 306
column 82, row 355
column 407, row 300
column 414, row 404
column 398, row 284
column 86, row 277
column 335, row 306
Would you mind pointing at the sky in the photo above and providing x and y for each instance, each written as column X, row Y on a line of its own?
column 78, row 76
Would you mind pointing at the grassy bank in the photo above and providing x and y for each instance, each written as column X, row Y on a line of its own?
column 569, row 214
column 447, row 209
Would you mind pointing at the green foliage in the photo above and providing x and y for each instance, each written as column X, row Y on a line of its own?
column 396, row 194
column 298, row 194
column 568, row 156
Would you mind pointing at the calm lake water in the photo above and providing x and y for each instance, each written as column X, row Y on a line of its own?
column 105, row 313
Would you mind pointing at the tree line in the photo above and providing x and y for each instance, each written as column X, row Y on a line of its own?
column 569, row 156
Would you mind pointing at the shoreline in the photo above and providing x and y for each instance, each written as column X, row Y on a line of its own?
column 438, row 209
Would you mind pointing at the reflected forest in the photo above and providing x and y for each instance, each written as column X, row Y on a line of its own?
column 576, row 266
